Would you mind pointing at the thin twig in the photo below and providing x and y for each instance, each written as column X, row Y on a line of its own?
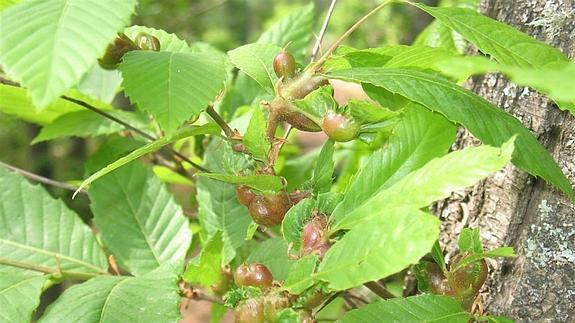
column 119, row 121
column 220, row 121
column 189, row 292
column 136, row 130
column 379, row 290
column 350, row 304
column 319, row 39
column 348, row 32
column 41, row 179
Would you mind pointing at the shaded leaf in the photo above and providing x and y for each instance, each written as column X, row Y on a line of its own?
column 100, row 84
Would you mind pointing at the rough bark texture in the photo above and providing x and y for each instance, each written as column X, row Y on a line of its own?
column 515, row 209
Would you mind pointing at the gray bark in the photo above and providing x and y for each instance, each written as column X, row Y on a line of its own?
column 515, row 209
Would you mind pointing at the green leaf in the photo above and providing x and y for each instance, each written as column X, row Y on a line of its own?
column 436, row 34
column 87, row 124
column 20, row 295
column 273, row 254
column 470, row 240
column 7, row 3
column 168, row 176
column 152, row 298
column 256, row 61
column 505, row 43
column 498, row 252
column 16, row 102
column 423, row 308
column 288, row 315
column 386, row 243
column 67, row 36
column 324, row 168
column 416, row 56
column 208, row 128
column 168, row 41
column 554, row 80
column 29, row 237
column 297, row 280
column 437, row 255
column 435, row 180
column 255, row 138
column 369, row 112
column 294, row 221
column 172, row 86
column 316, row 104
column 208, row 270
column 294, row 29
column 485, row 121
column 219, row 209
column 258, row 182
column 139, row 220
column 100, row 84
column 420, row 136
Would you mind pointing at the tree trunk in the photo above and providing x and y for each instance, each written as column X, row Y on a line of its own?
column 515, row 209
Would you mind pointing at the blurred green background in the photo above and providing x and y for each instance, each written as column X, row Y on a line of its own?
column 225, row 24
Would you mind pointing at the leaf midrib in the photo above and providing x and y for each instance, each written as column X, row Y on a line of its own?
column 54, row 254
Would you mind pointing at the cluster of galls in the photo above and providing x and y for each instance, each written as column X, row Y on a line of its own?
column 294, row 86
column 267, row 209
column 462, row 284
column 122, row 44
column 266, row 307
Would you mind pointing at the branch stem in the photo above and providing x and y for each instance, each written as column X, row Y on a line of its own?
column 220, row 121
column 379, row 290
column 322, row 31
column 346, row 34
column 40, row 179
column 119, row 121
